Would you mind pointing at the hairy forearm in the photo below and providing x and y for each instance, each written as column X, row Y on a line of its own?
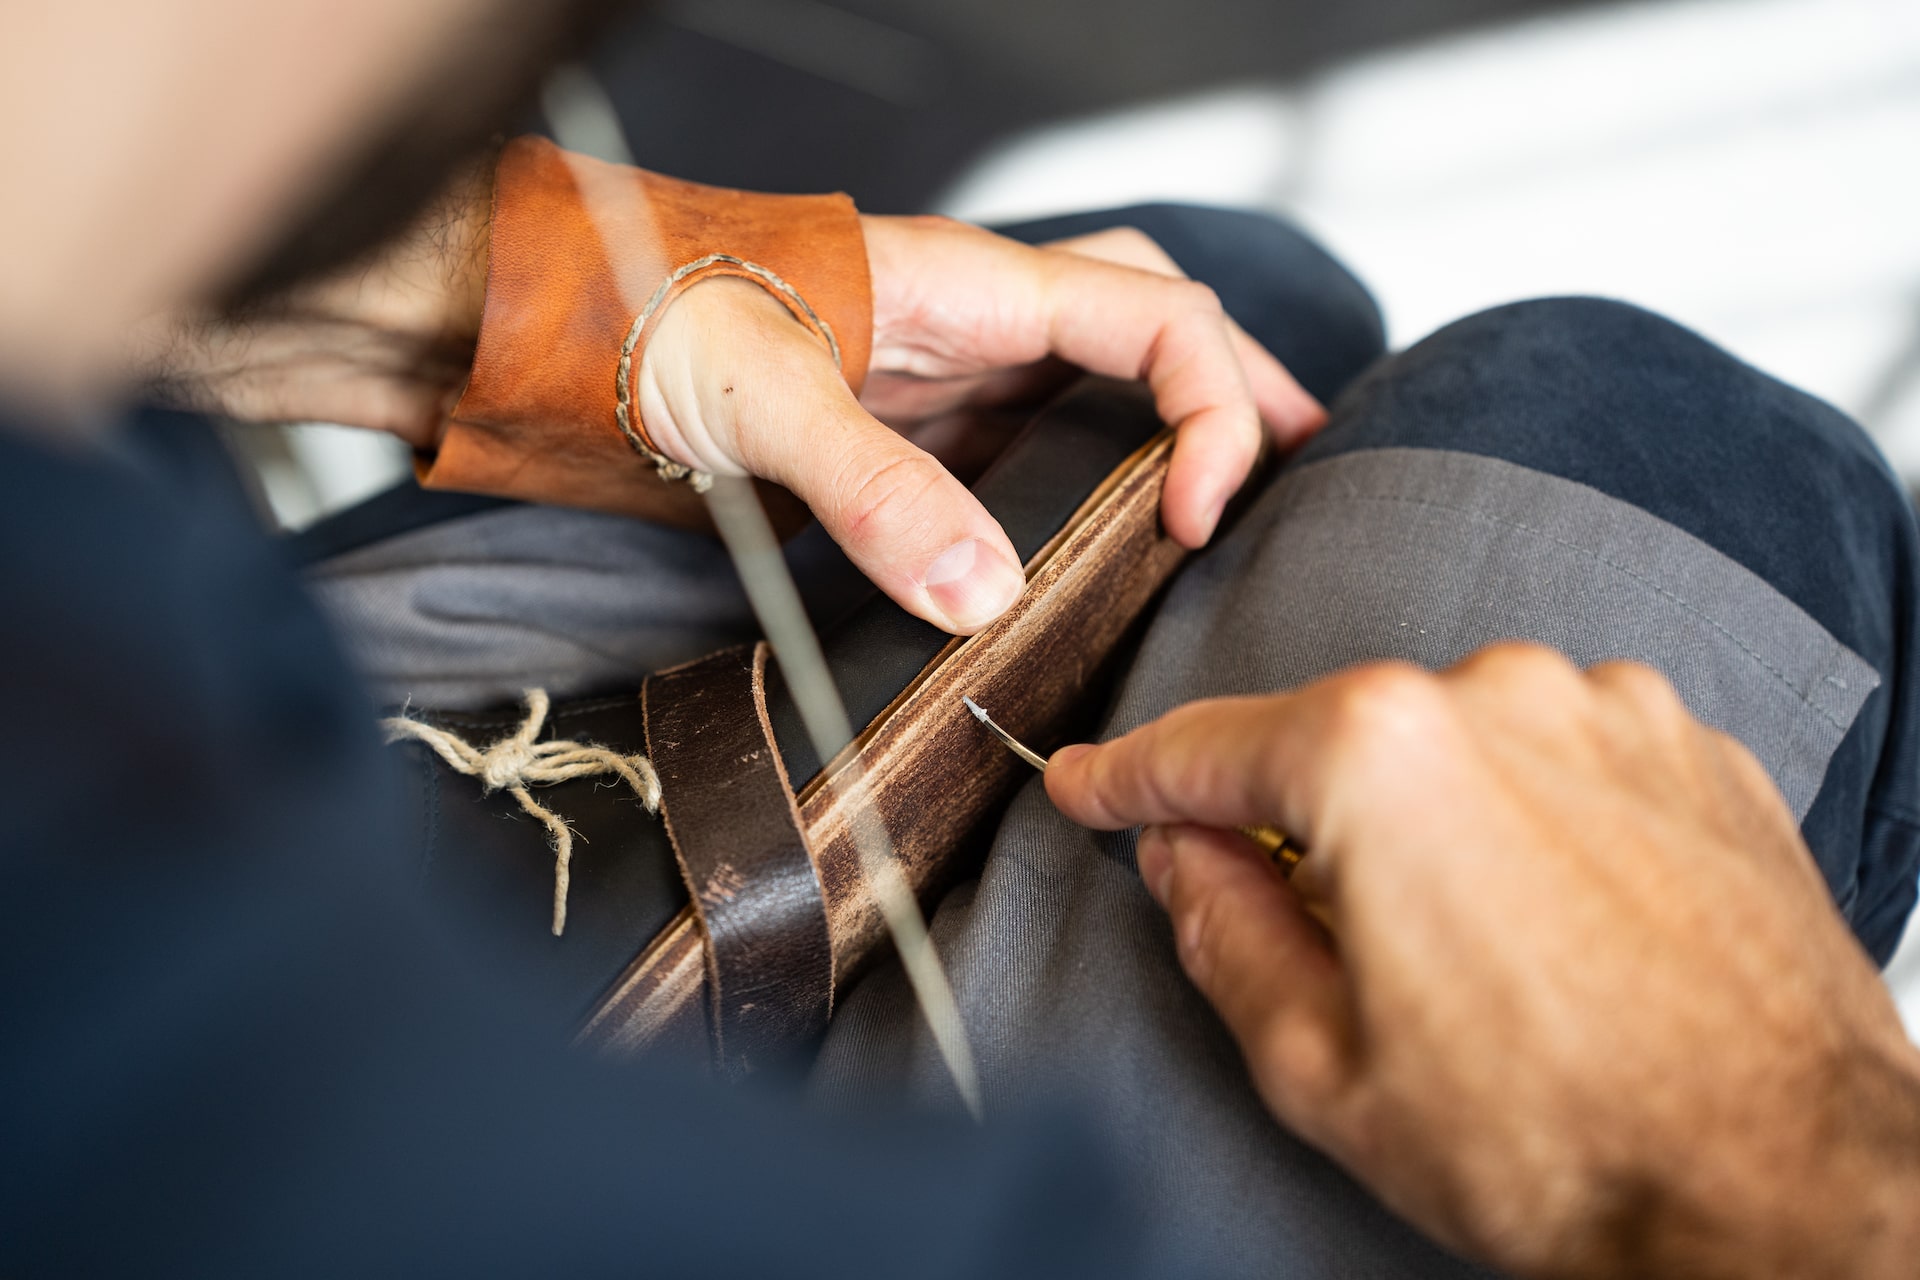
column 386, row 344
column 1855, row 1211
column 1827, row 1185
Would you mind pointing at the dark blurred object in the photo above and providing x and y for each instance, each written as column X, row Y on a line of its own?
column 489, row 68
column 889, row 99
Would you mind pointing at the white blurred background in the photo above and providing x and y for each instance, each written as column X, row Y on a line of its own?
column 1750, row 168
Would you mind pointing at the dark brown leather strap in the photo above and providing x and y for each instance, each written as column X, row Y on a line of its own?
column 730, row 813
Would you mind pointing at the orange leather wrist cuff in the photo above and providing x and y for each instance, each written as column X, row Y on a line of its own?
column 585, row 259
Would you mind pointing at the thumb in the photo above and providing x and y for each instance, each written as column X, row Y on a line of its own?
column 1248, row 944
column 900, row 516
column 731, row 382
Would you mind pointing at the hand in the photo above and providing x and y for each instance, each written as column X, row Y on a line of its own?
column 962, row 319
column 1585, row 1007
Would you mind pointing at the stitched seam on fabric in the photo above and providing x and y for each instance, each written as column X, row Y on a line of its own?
column 1637, row 576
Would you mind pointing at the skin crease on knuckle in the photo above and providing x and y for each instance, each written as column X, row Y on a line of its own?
column 1143, row 773
column 872, row 487
column 1204, row 300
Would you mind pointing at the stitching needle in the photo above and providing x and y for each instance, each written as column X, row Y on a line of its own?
column 1013, row 744
column 1277, row 844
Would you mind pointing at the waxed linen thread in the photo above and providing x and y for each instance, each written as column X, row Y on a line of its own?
column 517, row 762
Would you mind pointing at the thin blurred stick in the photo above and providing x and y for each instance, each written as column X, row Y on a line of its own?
column 750, row 540
column 584, row 120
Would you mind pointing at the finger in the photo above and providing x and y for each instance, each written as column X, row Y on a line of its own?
column 1215, row 762
column 1263, row 963
column 1171, row 333
column 1286, row 758
column 900, row 516
column 900, row 402
column 1290, row 413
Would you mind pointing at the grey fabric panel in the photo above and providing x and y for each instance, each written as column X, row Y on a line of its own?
column 1065, row 970
column 1426, row 555
column 465, row 614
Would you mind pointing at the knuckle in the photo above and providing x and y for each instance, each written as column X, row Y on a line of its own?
column 1199, row 298
column 1384, row 704
column 1521, row 674
column 1747, row 773
column 1130, row 237
column 936, row 222
column 1298, row 1059
column 1526, row 661
column 1639, row 684
column 1133, row 246
column 1648, row 708
column 1527, row 687
column 874, row 488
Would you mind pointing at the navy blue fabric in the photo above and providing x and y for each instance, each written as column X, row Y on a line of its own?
column 238, row 1042
column 1643, row 410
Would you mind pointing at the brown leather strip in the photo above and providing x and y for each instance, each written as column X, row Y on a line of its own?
column 933, row 771
column 730, row 814
column 584, row 259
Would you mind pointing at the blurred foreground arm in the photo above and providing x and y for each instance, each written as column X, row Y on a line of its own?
column 1587, row 1008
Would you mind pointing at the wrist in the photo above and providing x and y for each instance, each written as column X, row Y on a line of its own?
column 1871, row 1226
column 1834, row 1191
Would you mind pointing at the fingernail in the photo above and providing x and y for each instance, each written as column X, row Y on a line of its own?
column 973, row 583
column 1155, row 855
column 1212, row 513
column 1068, row 754
column 1193, row 957
column 1310, row 415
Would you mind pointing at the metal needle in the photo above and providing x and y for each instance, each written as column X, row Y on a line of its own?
column 1276, row 843
column 1013, row 744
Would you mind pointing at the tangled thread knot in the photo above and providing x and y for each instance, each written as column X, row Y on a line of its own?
column 517, row 762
